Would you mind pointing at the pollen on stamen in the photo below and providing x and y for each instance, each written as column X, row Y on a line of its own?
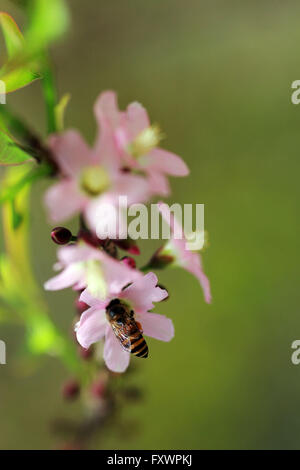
column 94, row 180
column 148, row 139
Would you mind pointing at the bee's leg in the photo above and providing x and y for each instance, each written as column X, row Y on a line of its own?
column 139, row 326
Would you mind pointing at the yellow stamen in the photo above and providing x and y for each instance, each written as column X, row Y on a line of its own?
column 94, row 180
column 148, row 139
column 95, row 279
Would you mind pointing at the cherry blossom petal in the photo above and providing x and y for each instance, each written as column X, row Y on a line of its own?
column 63, row 200
column 167, row 162
column 117, row 274
column 143, row 292
column 137, row 120
column 187, row 259
column 134, row 187
column 197, row 271
column 168, row 216
column 106, row 110
column 115, row 357
column 108, row 116
column 158, row 183
column 89, row 299
column 122, row 141
column 106, row 152
column 67, row 278
column 70, row 152
column 91, row 327
column 77, row 253
column 102, row 216
column 157, row 326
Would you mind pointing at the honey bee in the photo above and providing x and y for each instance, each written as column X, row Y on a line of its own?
column 127, row 330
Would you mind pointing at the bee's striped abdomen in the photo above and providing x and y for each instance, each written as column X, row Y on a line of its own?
column 139, row 346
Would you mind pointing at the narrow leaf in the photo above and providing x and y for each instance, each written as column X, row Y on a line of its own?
column 10, row 152
column 9, row 193
column 60, row 111
column 15, row 74
column 14, row 39
column 16, row 217
column 17, row 78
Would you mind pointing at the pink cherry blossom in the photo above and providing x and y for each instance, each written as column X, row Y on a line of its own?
column 85, row 266
column 140, row 295
column 89, row 178
column 176, row 249
column 137, row 142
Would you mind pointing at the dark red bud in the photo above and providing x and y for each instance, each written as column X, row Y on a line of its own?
column 90, row 238
column 86, row 354
column 125, row 169
column 71, row 390
column 80, row 306
column 128, row 261
column 61, row 235
column 98, row 389
column 128, row 245
column 134, row 250
column 160, row 261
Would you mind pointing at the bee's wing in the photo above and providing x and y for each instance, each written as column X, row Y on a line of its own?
column 123, row 335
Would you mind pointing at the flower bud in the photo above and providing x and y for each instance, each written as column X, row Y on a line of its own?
column 71, row 390
column 128, row 261
column 61, row 235
column 160, row 260
column 128, row 245
column 80, row 306
column 98, row 389
column 89, row 238
column 134, row 250
column 86, row 354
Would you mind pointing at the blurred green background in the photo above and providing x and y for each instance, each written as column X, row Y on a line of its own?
column 216, row 76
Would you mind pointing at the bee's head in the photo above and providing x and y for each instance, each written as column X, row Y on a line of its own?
column 114, row 308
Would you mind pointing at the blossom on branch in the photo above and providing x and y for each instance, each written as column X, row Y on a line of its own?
column 85, row 266
column 176, row 252
column 137, row 142
column 89, row 179
column 139, row 297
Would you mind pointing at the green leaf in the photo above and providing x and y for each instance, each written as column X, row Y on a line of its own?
column 16, row 217
column 50, row 95
column 42, row 336
column 48, row 21
column 20, row 292
column 14, row 39
column 17, row 78
column 60, row 111
column 3, row 124
column 9, row 193
column 15, row 75
column 10, row 152
column 21, row 3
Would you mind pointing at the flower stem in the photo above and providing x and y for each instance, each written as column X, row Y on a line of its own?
column 50, row 95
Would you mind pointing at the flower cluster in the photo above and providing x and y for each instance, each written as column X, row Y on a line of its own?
column 126, row 160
